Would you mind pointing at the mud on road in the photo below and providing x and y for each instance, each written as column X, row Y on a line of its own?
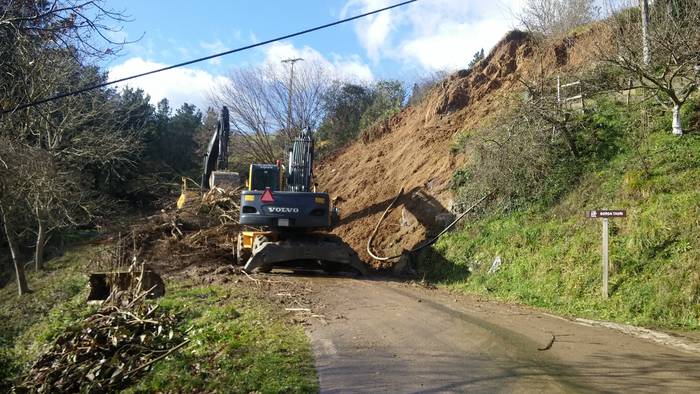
column 380, row 336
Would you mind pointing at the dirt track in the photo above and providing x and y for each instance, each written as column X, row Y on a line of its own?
column 391, row 337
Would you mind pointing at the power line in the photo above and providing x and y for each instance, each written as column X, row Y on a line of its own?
column 201, row 59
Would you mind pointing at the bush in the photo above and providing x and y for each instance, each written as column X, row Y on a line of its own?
column 528, row 158
column 519, row 158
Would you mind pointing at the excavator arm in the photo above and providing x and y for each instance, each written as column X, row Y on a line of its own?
column 217, row 150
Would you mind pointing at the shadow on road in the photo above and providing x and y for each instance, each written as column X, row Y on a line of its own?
column 446, row 373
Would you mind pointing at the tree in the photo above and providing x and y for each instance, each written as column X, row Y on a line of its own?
column 556, row 17
column 478, row 56
column 673, row 33
column 47, row 150
column 179, row 139
column 646, row 51
column 257, row 98
column 344, row 104
column 388, row 97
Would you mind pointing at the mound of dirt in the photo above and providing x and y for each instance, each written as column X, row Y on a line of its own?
column 412, row 149
column 196, row 241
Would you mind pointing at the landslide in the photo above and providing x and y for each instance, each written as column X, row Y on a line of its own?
column 413, row 148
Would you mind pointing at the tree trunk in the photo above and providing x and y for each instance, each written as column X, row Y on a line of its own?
column 22, row 287
column 40, row 243
column 646, row 51
column 570, row 141
column 677, row 127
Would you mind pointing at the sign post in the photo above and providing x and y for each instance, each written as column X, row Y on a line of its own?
column 605, row 215
column 606, row 262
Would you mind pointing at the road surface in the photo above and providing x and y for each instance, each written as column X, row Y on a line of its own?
column 379, row 336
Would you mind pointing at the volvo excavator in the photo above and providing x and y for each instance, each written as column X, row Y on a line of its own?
column 285, row 221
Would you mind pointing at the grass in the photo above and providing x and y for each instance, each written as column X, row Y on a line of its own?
column 551, row 252
column 29, row 323
column 237, row 343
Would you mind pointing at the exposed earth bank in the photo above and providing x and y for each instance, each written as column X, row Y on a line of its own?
column 413, row 148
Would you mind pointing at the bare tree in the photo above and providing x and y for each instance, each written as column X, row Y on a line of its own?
column 87, row 26
column 46, row 150
column 257, row 98
column 256, row 113
column 673, row 36
column 556, row 17
column 544, row 106
column 20, row 275
column 10, row 207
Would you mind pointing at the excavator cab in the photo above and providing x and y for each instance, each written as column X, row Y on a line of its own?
column 264, row 176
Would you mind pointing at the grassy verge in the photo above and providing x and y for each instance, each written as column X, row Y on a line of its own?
column 551, row 254
column 237, row 344
column 29, row 323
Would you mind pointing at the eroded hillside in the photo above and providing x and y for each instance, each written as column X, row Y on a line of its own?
column 412, row 149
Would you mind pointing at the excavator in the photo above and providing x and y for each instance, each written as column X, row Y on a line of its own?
column 285, row 221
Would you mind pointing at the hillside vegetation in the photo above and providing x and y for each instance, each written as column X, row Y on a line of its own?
column 551, row 253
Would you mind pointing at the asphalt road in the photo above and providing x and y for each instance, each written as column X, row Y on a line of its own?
column 378, row 336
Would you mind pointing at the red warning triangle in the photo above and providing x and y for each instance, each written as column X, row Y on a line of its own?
column 267, row 196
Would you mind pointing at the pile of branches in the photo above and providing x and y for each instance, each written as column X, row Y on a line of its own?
column 223, row 203
column 107, row 352
column 217, row 206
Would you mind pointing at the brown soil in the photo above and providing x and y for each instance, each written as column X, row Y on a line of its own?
column 195, row 242
column 412, row 149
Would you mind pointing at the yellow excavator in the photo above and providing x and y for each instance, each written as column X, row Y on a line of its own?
column 287, row 222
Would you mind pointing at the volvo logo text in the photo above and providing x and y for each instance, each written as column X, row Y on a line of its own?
column 283, row 210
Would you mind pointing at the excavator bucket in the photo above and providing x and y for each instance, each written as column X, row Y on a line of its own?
column 104, row 285
column 328, row 252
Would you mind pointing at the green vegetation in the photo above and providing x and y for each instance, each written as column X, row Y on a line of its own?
column 237, row 344
column 352, row 109
column 551, row 252
column 29, row 323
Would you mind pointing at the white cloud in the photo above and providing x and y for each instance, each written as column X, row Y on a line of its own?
column 213, row 47
column 340, row 67
column 436, row 34
column 372, row 31
column 192, row 85
column 180, row 85
column 453, row 45
column 216, row 46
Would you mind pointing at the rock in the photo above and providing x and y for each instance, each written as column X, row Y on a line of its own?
column 404, row 266
column 406, row 218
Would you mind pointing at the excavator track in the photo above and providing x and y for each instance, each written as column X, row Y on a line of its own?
column 325, row 251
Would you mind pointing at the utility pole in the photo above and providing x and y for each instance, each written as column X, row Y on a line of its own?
column 291, row 87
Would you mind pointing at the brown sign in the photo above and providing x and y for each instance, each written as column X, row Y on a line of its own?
column 606, row 213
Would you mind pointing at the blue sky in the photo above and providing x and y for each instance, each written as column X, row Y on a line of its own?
column 407, row 43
